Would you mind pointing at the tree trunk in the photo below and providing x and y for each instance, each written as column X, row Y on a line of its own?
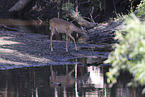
column 19, row 5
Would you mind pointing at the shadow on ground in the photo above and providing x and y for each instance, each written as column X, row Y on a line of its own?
column 28, row 49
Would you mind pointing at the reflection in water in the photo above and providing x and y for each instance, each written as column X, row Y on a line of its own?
column 96, row 76
column 61, row 81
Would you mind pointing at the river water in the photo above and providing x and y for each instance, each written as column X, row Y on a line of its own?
column 64, row 80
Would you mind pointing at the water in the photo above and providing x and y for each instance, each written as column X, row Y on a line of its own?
column 34, row 26
column 74, row 79
column 62, row 81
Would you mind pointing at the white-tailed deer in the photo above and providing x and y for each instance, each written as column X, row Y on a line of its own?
column 63, row 26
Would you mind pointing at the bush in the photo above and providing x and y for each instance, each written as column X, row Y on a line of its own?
column 141, row 9
column 129, row 53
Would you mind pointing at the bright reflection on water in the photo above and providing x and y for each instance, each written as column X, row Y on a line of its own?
column 62, row 81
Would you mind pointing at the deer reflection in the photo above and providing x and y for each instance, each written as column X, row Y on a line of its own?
column 61, row 80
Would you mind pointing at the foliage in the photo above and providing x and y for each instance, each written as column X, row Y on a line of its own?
column 141, row 8
column 129, row 53
column 69, row 7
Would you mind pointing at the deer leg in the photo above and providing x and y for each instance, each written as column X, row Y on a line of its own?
column 66, row 42
column 73, row 40
column 52, row 33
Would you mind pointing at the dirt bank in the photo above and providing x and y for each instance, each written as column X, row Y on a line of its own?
column 28, row 49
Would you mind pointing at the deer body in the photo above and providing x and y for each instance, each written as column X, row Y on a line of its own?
column 63, row 26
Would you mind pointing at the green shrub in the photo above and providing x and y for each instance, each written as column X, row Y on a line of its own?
column 129, row 53
column 68, row 6
column 141, row 9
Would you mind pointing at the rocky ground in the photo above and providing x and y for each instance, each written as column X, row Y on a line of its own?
column 28, row 49
column 25, row 49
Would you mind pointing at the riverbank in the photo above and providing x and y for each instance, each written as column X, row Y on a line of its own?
column 19, row 49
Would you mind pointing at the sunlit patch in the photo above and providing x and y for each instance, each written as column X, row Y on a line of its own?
column 4, row 41
column 14, row 55
column 8, row 51
column 10, row 56
column 3, row 61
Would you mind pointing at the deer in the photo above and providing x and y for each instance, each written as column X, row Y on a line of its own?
column 62, row 26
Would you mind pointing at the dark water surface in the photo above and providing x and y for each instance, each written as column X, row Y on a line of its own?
column 62, row 81
column 33, row 26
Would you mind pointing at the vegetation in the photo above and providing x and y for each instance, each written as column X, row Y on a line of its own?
column 140, row 9
column 74, row 14
column 68, row 7
column 129, row 53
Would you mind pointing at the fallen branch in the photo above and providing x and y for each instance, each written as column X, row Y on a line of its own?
column 69, row 8
column 81, row 21
column 8, row 28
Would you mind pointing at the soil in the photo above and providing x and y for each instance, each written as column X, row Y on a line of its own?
column 19, row 50
column 25, row 49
